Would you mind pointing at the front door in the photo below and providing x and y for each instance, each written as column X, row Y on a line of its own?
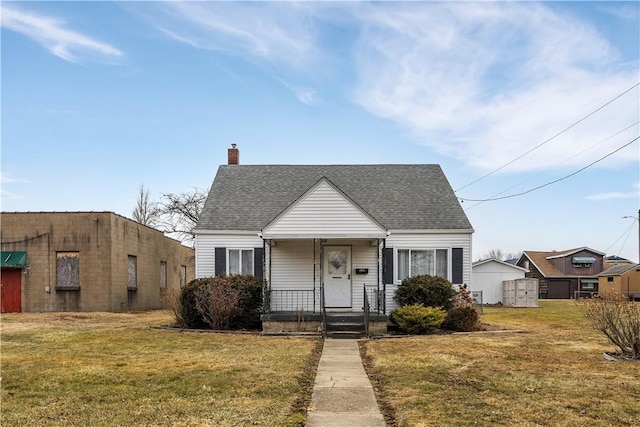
column 337, row 276
column 10, row 290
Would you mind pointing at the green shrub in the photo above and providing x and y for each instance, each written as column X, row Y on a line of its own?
column 417, row 319
column 249, row 289
column 430, row 291
column 222, row 302
column 189, row 316
column 461, row 319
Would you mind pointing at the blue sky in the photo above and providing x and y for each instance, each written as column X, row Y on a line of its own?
column 101, row 97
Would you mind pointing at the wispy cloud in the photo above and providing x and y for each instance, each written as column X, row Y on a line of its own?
column 276, row 32
column 614, row 195
column 6, row 178
column 479, row 82
column 484, row 83
column 617, row 194
column 306, row 95
column 54, row 36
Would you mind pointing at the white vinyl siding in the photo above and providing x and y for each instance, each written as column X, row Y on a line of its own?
column 364, row 256
column 206, row 245
column 428, row 241
column 292, row 266
column 323, row 212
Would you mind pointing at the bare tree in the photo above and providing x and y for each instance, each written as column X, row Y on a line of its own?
column 179, row 213
column 503, row 256
column 145, row 212
column 494, row 254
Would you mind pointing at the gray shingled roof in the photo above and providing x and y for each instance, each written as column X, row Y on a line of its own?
column 411, row 197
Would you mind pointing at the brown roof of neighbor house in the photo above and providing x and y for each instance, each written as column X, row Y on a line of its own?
column 546, row 267
column 539, row 259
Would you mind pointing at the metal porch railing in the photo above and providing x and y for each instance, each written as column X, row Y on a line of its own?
column 374, row 297
column 305, row 300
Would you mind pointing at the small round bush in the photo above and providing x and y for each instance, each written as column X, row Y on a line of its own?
column 461, row 319
column 417, row 319
column 430, row 291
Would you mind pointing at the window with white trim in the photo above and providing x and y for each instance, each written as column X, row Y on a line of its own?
column 414, row 262
column 239, row 261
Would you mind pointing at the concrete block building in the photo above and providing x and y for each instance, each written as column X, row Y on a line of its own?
column 87, row 261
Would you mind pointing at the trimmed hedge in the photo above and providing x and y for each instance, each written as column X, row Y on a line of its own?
column 243, row 292
column 417, row 319
column 430, row 291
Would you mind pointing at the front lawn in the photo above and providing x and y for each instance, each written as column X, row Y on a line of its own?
column 553, row 374
column 105, row 369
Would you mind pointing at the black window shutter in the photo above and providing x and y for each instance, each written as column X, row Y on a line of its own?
column 221, row 261
column 456, row 266
column 387, row 265
column 258, row 262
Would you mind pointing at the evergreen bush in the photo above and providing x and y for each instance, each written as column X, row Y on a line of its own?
column 417, row 319
column 189, row 316
column 461, row 319
column 430, row 291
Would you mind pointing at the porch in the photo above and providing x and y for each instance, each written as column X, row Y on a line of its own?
column 302, row 310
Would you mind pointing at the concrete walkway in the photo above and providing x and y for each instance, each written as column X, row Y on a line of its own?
column 342, row 394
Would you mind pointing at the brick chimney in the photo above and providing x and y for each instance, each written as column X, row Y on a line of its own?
column 233, row 155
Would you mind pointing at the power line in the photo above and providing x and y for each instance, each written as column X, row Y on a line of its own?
column 548, row 140
column 626, row 238
column 627, row 231
column 568, row 158
column 554, row 181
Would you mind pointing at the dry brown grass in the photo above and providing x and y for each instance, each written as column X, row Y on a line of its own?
column 553, row 374
column 104, row 369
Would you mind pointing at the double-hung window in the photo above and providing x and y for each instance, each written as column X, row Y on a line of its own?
column 414, row 262
column 239, row 261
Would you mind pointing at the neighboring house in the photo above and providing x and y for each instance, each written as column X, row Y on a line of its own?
column 564, row 274
column 622, row 278
column 612, row 260
column 488, row 276
column 87, row 261
column 341, row 231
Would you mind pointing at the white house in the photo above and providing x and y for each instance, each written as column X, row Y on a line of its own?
column 324, row 236
column 488, row 276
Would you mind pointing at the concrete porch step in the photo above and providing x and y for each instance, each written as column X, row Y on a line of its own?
column 346, row 334
column 345, row 325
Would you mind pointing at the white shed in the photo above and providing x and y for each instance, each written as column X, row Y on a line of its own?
column 488, row 275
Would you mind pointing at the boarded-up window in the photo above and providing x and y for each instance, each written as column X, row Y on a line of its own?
column 183, row 275
column 67, row 269
column 132, row 272
column 163, row 274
